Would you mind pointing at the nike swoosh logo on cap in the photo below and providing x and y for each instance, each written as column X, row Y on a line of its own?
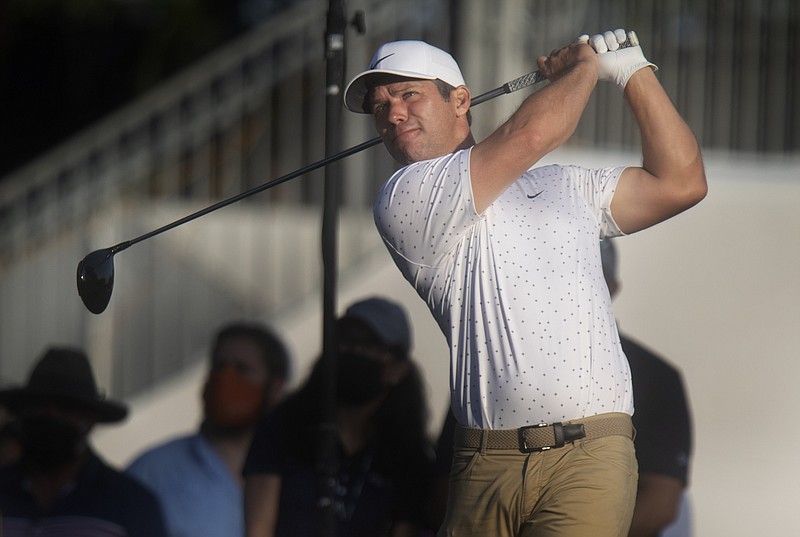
column 375, row 64
column 531, row 196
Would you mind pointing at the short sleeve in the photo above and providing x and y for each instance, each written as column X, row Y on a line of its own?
column 597, row 187
column 425, row 208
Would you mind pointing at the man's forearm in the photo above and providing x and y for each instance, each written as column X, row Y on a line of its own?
column 669, row 149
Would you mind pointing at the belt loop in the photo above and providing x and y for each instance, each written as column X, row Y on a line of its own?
column 484, row 441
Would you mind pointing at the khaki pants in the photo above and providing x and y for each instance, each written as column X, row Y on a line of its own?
column 585, row 489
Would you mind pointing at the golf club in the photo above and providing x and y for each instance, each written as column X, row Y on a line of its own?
column 95, row 273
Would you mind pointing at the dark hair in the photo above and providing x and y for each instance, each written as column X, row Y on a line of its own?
column 274, row 352
column 445, row 90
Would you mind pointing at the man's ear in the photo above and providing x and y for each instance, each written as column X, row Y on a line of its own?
column 463, row 100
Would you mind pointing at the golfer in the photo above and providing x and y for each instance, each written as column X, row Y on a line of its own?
column 506, row 256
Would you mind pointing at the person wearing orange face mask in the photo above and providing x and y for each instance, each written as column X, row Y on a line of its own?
column 198, row 477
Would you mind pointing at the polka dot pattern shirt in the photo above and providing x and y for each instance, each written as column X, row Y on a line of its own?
column 517, row 291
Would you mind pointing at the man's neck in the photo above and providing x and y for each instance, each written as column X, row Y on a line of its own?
column 468, row 142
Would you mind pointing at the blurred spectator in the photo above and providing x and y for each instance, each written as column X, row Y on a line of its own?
column 383, row 455
column 10, row 448
column 198, row 477
column 60, row 486
column 683, row 526
column 663, row 426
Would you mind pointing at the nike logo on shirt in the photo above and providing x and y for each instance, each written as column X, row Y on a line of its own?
column 531, row 196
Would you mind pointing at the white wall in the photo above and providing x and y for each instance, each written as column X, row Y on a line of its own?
column 715, row 290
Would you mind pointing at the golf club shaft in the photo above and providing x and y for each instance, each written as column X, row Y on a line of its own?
column 509, row 87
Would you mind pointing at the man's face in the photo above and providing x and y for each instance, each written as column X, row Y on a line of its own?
column 245, row 356
column 415, row 122
column 239, row 387
column 53, row 434
column 366, row 367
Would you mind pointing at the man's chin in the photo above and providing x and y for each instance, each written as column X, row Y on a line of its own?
column 402, row 148
column 407, row 155
column 400, row 156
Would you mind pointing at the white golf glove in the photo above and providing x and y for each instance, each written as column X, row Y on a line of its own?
column 620, row 55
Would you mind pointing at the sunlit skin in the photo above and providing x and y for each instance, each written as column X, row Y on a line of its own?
column 416, row 123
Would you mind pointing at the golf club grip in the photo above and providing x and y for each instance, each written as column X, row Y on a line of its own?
column 535, row 77
column 510, row 87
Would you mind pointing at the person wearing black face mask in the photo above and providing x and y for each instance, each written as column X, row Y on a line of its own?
column 52, row 439
column 59, row 482
column 385, row 457
column 360, row 379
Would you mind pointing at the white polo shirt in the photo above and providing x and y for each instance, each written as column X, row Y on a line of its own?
column 517, row 291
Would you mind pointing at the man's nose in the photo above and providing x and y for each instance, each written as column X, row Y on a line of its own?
column 398, row 112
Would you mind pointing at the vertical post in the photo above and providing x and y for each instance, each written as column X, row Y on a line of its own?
column 327, row 455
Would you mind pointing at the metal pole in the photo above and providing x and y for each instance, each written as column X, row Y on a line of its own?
column 327, row 459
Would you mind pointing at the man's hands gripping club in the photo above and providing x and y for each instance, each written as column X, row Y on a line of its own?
column 619, row 55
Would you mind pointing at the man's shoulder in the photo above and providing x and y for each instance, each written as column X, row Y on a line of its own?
column 576, row 172
column 103, row 478
column 431, row 166
column 166, row 453
column 430, row 189
column 549, row 169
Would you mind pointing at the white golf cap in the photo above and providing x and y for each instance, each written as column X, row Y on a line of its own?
column 411, row 59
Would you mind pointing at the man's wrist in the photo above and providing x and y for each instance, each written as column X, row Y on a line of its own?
column 586, row 67
column 639, row 76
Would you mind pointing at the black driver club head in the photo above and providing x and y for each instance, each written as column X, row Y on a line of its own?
column 96, row 279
